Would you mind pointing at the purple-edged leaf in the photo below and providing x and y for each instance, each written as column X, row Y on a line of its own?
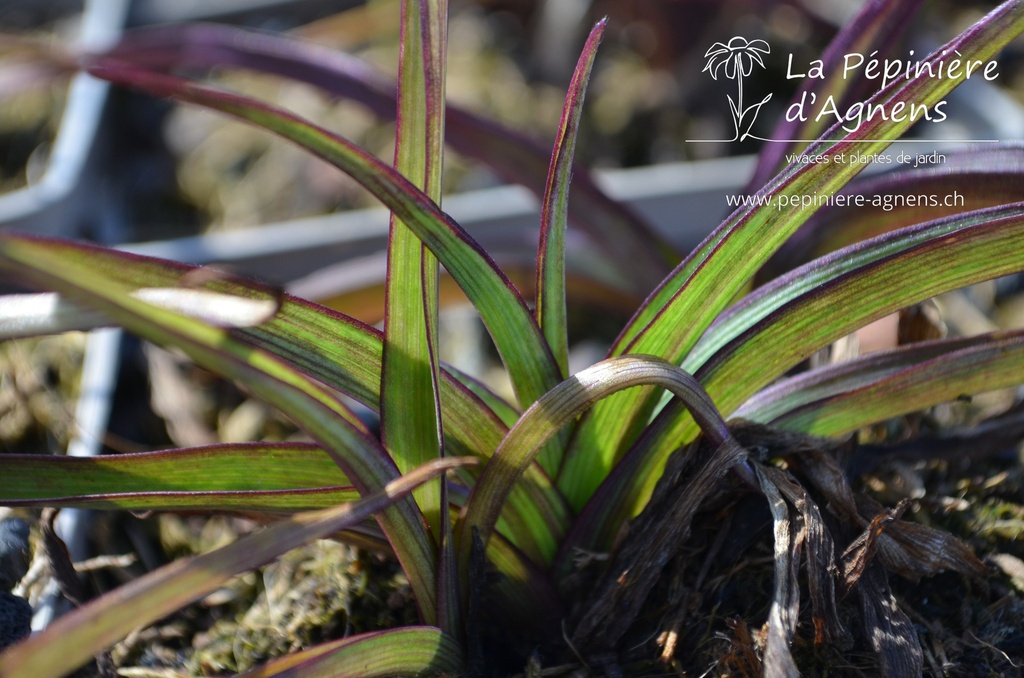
column 311, row 337
column 753, row 233
column 876, row 29
column 551, row 288
column 790, row 393
column 92, row 628
column 554, row 213
column 264, row 477
column 406, row 651
column 516, row 335
column 839, row 399
column 561, row 405
column 645, row 257
column 410, row 405
column 782, row 323
column 969, row 179
column 71, row 269
column 357, row 289
column 867, row 280
column 338, row 350
column 673, row 318
column 346, row 355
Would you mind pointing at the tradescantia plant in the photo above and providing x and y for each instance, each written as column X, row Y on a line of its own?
column 488, row 504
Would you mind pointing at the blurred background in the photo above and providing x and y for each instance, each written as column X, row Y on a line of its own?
column 80, row 159
column 173, row 171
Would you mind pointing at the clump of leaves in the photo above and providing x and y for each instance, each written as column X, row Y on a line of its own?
column 490, row 505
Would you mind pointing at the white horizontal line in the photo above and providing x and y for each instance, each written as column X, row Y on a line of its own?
column 852, row 141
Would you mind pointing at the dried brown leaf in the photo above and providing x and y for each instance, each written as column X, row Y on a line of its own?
column 785, row 607
column 654, row 538
column 909, row 549
column 913, row 550
column 821, row 564
column 742, row 660
column 861, row 551
column 888, row 628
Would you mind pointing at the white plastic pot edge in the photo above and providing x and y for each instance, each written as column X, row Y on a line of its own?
column 46, row 206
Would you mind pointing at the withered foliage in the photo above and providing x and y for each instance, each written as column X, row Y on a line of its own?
column 779, row 568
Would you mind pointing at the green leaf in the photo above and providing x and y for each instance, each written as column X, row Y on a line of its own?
column 877, row 28
column 516, row 335
column 561, row 405
column 410, row 402
column 537, row 514
column 641, row 256
column 406, row 651
column 868, row 281
column 92, row 628
column 410, row 398
column 782, row 323
column 839, row 399
column 340, row 351
column 675, row 316
column 335, row 349
column 346, row 355
column 554, row 214
column 69, row 268
column 283, row 477
column 969, row 178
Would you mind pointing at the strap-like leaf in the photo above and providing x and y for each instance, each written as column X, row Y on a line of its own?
column 838, row 399
column 410, row 402
column 555, row 210
column 782, row 323
column 516, row 335
column 346, row 355
column 794, row 392
column 876, row 28
column 867, row 281
column 556, row 409
column 675, row 316
column 69, row 268
column 968, row 179
column 406, row 651
column 102, row 622
column 642, row 255
column 269, row 477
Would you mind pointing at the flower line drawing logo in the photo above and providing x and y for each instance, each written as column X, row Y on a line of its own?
column 736, row 60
